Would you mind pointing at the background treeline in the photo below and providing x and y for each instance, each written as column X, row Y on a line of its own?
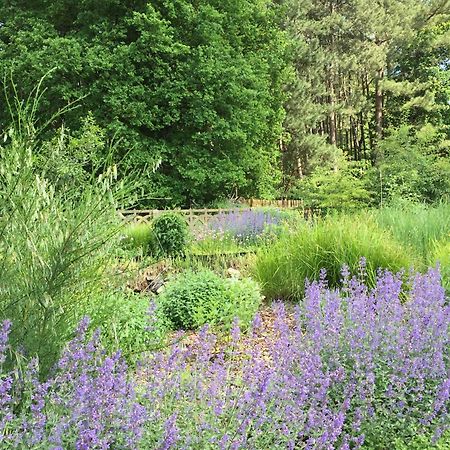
column 341, row 103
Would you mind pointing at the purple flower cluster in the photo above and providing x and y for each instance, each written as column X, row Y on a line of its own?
column 245, row 226
column 347, row 368
column 89, row 403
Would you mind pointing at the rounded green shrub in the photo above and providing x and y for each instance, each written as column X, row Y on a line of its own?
column 282, row 268
column 193, row 299
column 170, row 234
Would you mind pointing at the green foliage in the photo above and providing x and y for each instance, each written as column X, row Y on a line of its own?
column 190, row 292
column 73, row 159
column 170, row 234
column 193, row 299
column 222, row 245
column 342, row 187
column 245, row 299
column 353, row 91
column 56, row 239
column 128, row 323
column 282, row 268
column 138, row 236
column 194, row 88
column 415, row 166
column 417, row 226
column 422, row 442
column 441, row 255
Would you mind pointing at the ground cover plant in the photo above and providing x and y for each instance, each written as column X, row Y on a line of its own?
column 355, row 368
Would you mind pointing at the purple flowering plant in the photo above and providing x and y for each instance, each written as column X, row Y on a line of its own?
column 88, row 403
column 244, row 226
column 356, row 367
column 349, row 368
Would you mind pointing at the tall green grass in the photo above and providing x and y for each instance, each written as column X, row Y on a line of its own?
column 138, row 236
column 56, row 240
column 282, row 268
column 441, row 256
column 417, row 226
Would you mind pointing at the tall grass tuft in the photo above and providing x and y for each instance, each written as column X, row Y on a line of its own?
column 283, row 268
column 138, row 236
column 417, row 226
column 55, row 239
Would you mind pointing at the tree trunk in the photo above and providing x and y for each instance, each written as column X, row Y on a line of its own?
column 379, row 104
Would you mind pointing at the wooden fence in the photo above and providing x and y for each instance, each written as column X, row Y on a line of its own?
column 193, row 216
column 285, row 203
column 196, row 217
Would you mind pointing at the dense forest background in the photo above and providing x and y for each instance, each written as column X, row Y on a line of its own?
column 342, row 103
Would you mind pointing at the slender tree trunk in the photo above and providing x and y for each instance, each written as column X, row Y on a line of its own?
column 333, row 128
column 363, row 138
column 379, row 104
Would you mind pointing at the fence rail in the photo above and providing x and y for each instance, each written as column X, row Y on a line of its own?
column 196, row 217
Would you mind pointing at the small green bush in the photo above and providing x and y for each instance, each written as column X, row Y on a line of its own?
column 193, row 299
column 170, row 233
column 245, row 298
column 282, row 268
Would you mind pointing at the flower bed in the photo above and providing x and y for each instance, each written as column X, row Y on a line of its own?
column 352, row 368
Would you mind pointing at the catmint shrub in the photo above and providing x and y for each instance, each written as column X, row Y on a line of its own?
column 245, row 226
column 350, row 368
column 89, row 402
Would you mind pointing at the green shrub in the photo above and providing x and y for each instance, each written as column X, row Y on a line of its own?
column 170, row 232
column 193, row 299
column 128, row 323
column 414, row 165
column 282, row 268
column 341, row 185
column 57, row 235
column 245, row 298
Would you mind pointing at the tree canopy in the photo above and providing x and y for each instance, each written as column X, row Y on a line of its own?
column 217, row 99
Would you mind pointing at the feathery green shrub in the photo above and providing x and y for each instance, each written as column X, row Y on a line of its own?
column 56, row 238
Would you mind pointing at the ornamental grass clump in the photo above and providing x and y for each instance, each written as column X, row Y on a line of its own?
column 283, row 266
